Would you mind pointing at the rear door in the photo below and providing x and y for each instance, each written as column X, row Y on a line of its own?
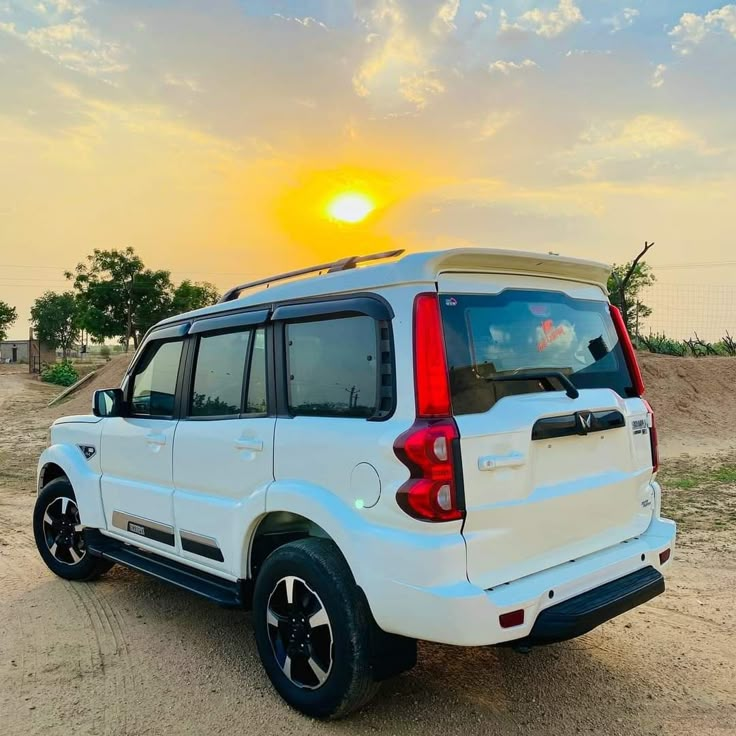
column 547, row 477
column 223, row 449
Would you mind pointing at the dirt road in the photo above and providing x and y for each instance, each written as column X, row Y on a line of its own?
column 129, row 655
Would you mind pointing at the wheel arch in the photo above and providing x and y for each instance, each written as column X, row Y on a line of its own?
column 68, row 461
column 275, row 529
column 47, row 472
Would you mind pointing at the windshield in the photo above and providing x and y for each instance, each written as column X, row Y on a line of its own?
column 490, row 338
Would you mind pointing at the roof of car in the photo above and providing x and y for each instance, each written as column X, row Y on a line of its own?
column 424, row 267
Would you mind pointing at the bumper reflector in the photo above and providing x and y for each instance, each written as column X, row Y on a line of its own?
column 513, row 618
column 664, row 556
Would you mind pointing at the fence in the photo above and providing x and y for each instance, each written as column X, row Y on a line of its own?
column 682, row 310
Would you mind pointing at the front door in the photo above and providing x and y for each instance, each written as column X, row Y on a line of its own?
column 137, row 451
column 223, row 450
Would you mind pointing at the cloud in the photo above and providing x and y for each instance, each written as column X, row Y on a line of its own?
column 61, row 32
column 402, row 38
column 693, row 29
column 506, row 67
column 622, row 20
column 639, row 148
column 174, row 80
column 445, row 16
column 420, row 88
column 307, row 21
column 545, row 23
column 658, row 76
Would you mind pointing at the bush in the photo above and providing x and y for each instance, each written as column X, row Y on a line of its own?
column 62, row 374
column 657, row 343
column 105, row 352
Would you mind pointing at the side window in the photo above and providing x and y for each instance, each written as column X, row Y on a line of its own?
column 219, row 372
column 333, row 367
column 154, row 381
column 256, row 398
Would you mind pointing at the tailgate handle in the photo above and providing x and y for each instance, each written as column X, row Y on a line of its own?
column 249, row 444
column 491, row 462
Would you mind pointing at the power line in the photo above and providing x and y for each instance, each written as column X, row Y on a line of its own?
column 63, row 269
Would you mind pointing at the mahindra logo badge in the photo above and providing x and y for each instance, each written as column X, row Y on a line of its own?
column 584, row 421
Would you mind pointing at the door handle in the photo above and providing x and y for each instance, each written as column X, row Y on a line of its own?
column 491, row 462
column 156, row 438
column 252, row 445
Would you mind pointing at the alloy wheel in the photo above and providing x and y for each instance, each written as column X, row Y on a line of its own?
column 63, row 531
column 300, row 633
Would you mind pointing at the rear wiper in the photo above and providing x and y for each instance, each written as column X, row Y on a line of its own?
column 544, row 378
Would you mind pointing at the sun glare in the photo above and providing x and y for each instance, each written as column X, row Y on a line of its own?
column 350, row 207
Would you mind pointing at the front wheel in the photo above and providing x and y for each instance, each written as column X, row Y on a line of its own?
column 313, row 628
column 59, row 534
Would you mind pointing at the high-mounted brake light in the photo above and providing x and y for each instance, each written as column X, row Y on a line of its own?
column 629, row 353
column 654, row 440
column 430, row 364
column 427, row 448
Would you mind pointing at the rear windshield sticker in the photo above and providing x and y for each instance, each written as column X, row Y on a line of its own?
column 550, row 334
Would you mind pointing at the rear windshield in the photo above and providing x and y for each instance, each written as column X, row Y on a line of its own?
column 493, row 337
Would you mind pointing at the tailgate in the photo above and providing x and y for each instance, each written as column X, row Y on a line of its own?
column 531, row 503
column 554, row 442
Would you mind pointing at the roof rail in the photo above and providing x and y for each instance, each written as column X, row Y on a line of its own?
column 341, row 265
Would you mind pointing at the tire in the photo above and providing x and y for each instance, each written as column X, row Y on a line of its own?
column 323, row 591
column 60, row 537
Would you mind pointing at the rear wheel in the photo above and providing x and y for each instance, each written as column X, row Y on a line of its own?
column 59, row 534
column 313, row 629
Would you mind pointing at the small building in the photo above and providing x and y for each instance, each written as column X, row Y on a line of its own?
column 30, row 352
column 14, row 351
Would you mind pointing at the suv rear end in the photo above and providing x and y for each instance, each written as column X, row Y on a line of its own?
column 534, row 449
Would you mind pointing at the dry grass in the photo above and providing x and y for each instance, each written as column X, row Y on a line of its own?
column 700, row 493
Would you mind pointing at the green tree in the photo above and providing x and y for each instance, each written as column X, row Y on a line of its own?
column 193, row 295
column 118, row 296
column 8, row 315
column 55, row 320
column 625, row 285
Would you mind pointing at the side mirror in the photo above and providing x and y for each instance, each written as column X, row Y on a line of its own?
column 108, row 402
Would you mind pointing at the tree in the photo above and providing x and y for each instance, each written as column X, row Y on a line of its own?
column 189, row 296
column 55, row 319
column 626, row 283
column 118, row 296
column 8, row 315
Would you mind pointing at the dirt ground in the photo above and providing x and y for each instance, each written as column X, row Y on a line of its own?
column 130, row 655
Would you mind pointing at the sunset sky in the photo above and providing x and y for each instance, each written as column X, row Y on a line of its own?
column 213, row 136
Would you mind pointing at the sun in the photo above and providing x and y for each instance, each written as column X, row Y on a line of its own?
column 350, row 207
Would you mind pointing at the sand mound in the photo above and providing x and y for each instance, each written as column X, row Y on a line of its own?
column 109, row 376
column 694, row 402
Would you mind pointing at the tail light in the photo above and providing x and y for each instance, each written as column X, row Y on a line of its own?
column 652, row 435
column 629, row 353
column 428, row 447
column 430, row 364
column 431, row 494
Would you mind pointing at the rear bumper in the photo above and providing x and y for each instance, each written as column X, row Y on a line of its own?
column 584, row 612
column 558, row 603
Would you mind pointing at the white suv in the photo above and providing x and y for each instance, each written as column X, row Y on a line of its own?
column 449, row 446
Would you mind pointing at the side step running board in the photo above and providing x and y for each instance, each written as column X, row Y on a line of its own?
column 221, row 591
